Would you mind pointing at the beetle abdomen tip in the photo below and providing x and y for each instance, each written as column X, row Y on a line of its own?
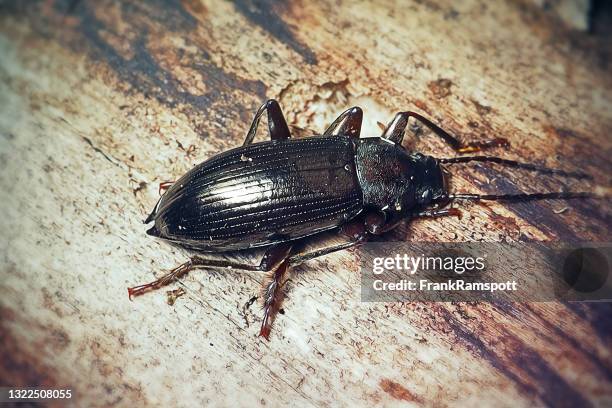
column 153, row 231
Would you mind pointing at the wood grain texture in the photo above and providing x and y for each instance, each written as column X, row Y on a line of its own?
column 103, row 100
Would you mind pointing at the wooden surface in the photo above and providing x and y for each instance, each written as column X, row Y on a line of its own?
column 100, row 101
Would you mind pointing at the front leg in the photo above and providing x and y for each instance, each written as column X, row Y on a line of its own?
column 396, row 129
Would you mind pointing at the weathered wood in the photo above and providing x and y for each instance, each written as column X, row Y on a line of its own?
column 103, row 100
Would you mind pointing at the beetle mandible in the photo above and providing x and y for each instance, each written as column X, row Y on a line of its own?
column 280, row 193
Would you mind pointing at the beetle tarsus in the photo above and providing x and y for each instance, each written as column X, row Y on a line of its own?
column 272, row 297
column 265, row 332
column 163, row 281
column 164, row 185
column 485, row 144
column 453, row 212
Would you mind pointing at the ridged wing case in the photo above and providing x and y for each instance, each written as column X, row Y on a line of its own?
column 262, row 194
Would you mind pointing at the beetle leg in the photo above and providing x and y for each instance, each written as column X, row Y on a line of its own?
column 275, row 259
column 271, row 259
column 396, row 129
column 347, row 124
column 272, row 298
column 378, row 222
column 277, row 125
column 163, row 281
column 439, row 213
column 164, row 185
column 303, row 257
column 356, row 230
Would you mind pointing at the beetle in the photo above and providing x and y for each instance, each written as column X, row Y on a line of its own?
column 280, row 193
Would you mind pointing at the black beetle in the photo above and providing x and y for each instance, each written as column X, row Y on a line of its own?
column 278, row 193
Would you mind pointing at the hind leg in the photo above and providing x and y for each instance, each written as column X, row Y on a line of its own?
column 276, row 260
column 272, row 258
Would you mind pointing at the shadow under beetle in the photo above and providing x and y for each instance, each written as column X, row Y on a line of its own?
column 279, row 193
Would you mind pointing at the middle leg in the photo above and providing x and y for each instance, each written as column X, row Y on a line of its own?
column 453, row 212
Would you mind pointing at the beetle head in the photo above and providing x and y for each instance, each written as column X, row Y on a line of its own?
column 429, row 180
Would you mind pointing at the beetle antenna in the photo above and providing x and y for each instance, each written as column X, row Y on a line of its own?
column 522, row 196
column 515, row 164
